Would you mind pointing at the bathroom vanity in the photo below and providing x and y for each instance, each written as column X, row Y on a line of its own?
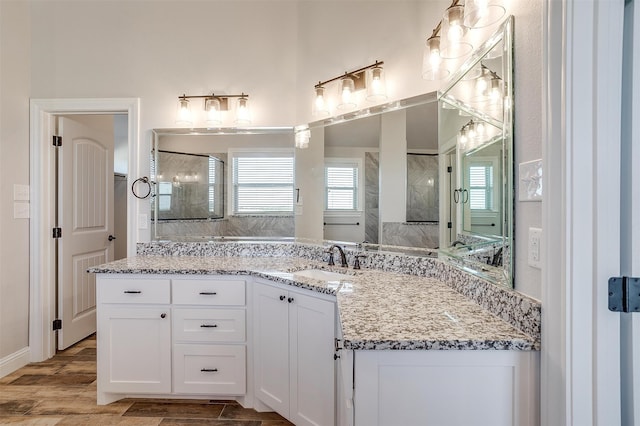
column 319, row 345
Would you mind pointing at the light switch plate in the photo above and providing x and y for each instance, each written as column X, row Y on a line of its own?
column 530, row 185
column 535, row 247
column 20, row 192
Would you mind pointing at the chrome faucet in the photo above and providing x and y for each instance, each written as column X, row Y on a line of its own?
column 343, row 257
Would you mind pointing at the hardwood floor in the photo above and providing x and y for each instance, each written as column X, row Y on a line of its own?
column 62, row 391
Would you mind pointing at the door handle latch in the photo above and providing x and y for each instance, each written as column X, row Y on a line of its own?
column 111, row 238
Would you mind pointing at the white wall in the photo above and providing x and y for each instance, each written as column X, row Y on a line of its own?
column 274, row 50
column 14, row 169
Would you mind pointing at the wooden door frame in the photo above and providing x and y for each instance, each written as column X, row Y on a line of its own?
column 582, row 65
column 42, row 298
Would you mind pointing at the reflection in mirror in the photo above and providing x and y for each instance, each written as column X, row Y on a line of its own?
column 189, row 186
column 389, row 199
column 223, row 183
column 475, row 144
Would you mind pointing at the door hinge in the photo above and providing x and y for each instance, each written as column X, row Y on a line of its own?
column 449, row 169
column 57, row 232
column 449, row 225
column 624, row 294
column 57, row 324
column 57, row 140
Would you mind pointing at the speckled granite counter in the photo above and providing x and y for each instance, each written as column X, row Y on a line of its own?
column 378, row 309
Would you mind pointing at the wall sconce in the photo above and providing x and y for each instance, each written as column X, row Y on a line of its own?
column 302, row 136
column 371, row 77
column 447, row 39
column 214, row 107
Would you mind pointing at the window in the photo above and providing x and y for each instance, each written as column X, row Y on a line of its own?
column 164, row 196
column 481, row 186
column 341, row 185
column 262, row 183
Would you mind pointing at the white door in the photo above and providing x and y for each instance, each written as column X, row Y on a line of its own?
column 85, row 215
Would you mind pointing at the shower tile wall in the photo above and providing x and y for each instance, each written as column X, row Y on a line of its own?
column 422, row 188
column 371, row 197
column 424, row 235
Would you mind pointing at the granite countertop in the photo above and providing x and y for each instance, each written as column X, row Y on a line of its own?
column 378, row 310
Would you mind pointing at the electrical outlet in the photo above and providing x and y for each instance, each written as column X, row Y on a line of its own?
column 535, row 247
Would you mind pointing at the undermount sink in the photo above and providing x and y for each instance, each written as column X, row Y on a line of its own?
column 321, row 274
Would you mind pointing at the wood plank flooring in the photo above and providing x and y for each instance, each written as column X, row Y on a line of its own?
column 62, row 391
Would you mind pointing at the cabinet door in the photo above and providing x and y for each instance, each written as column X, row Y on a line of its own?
column 271, row 350
column 311, row 341
column 134, row 349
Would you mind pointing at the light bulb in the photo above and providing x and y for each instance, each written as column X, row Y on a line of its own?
column 453, row 30
column 213, row 111
column 432, row 62
column 495, row 92
column 320, row 104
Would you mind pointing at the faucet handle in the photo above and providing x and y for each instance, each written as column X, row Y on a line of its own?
column 356, row 262
column 331, row 262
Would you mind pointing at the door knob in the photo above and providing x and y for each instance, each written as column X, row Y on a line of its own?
column 111, row 238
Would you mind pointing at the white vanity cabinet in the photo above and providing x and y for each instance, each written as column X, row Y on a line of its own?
column 453, row 388
column 294, row 365
column 133, row 335
column 171, row 336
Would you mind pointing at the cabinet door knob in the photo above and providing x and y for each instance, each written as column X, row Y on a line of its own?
column 209, row 370
column 282, row 297
column 290, row 299
column 163, row 315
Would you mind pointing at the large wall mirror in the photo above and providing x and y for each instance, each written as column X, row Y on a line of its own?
column 223, row 183
column 476, row 157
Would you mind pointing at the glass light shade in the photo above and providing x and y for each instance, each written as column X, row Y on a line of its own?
column 183, row 114
column 347, row 97
column 482, row 13
column 463, row 138
column 482, row 82
column 495, row 89
column 376, row 84
column 432, row 67
column 213, row 111
column 320, row 103
column 302, row 138
column 243, row 115
column 452, row 43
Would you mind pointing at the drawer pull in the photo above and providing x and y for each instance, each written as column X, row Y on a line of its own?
column 209, row 325
column 209, row 370
column 208, row 293
column 132, row 292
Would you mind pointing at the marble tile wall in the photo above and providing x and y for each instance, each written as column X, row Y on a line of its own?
column 411, row 234
column 233, row 226
column 522, row 312
column 422, row 188
column 372, row 197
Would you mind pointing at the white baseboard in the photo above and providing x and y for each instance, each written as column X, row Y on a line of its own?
column 14, row 361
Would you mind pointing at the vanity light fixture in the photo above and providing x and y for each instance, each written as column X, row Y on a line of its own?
column 214, row 107
column 447, row 41
column 371, row 77
column 482, row 13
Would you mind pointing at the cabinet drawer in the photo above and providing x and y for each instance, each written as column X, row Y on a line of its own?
column 134, row 291
column 208, row 292
column 209, row 369
column 209, row 325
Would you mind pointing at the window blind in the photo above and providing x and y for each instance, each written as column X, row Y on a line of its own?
column 481, row 187
column 341, row 183
column 263, row 185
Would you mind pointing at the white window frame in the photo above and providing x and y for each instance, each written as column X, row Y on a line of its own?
column 345, row 162
column 483, row 161
column 255, row 152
